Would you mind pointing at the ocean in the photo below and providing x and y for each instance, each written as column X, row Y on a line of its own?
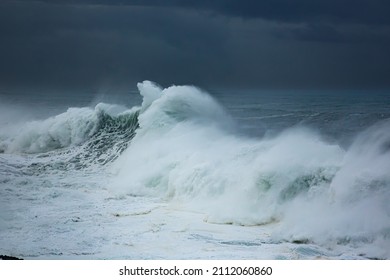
column 180, row 173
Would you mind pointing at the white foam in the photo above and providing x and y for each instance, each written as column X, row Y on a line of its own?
column 149, row 91
column 186, row 151
column 70, row 128
column 190, row 174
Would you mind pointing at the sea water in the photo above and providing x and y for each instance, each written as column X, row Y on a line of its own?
column 180, row 173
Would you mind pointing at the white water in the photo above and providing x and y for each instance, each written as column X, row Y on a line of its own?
column 188, row 177
column 186, row 151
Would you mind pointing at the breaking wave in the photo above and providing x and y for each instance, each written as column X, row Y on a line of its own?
column 182, row 146
column 186, row 150
column 76, row 139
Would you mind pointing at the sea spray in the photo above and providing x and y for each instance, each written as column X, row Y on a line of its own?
column 76, row 139
column 186, row 151
column 184, row 169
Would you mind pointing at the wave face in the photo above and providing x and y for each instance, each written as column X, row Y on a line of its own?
column 186, row 150
column 77, row 138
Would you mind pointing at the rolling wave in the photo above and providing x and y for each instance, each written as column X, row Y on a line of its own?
column 76, row 139
column 182, row 146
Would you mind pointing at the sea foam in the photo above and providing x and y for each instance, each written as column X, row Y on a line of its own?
column 186, row 151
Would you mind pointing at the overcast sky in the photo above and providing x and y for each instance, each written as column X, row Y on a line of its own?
column 214, row 44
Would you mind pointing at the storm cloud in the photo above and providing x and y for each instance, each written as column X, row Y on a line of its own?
column 214, row 44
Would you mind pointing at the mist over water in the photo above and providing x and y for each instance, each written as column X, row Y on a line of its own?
column 299, row 168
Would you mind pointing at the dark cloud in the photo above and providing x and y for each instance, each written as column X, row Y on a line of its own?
column 90, row 44
column 360, row 11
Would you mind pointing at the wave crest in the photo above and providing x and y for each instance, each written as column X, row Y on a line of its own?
column 186, row 151
column 97, row 126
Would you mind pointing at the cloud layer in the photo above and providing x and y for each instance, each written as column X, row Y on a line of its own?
column 214, row 44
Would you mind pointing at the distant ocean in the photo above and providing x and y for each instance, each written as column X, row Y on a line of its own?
column 179, row 173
